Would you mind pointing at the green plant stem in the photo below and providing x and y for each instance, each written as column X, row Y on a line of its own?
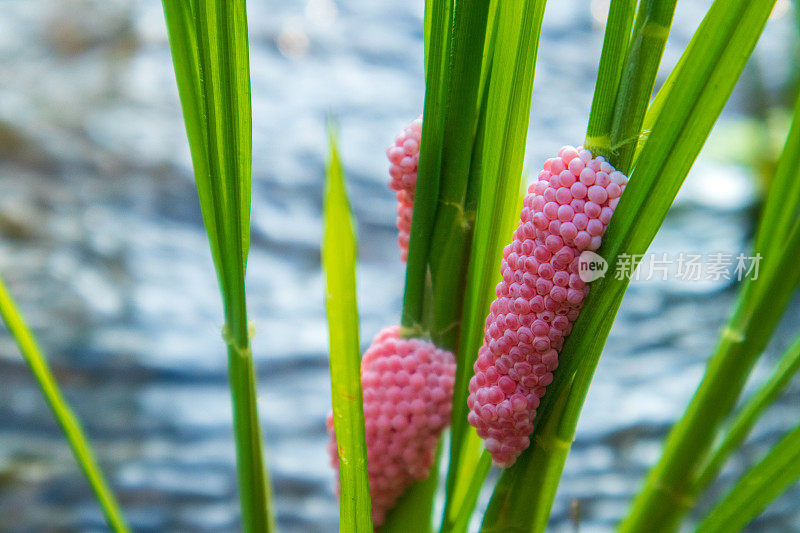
column 764, row 482
column 506, row 512
column 472, row 290
column 747, row 417
column 779, row 215
column 470, row 499
column 454, row 73
column 339, row 257
column 615, row 45
column 452, row 228
column 666, row 496
column 691, row 104
column 209, row 45
column 783, row 198
column 509, row 73
column 254, row 490
column 69, row 423
column 650, row 32
column 438, row 26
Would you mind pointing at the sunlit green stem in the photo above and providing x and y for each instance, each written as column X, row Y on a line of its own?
column 650, row 32
column 469, row 500
column 615, row 45
column 70, row 425
column 508, row 74
column 747, row 417
column 779, row 215
column 691, row 104
column 210, row 52
column 442, row 229
column 437, row 31
column 254, row 490
column 754, row 491
column 505, row 512
column 667, row 496
column 455, row 216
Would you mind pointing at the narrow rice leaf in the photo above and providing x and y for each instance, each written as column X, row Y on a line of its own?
column 209, row 43
column 438, row 22
column 762, row 484
column 452, row 229
column 779, row 214
column 339, row 253
column 783, row 200
column 748, row 415
column 470, row 498
column 183, row 45
column 507, row 109
column 711, row 65
column 650, row 31
column 450, row 216
column 70, row 425
column 758, row 309
column 609, row 72
column 222, row 43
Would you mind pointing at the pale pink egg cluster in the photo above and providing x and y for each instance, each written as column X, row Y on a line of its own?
column 408, row 393
column 404, row 158
column 565, row 213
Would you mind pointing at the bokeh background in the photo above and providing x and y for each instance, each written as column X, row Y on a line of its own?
column 101, row 240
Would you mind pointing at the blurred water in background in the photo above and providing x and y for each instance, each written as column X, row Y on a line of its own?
column 103, row 245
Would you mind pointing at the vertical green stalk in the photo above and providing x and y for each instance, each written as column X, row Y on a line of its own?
column 783, row 198
column 779, row 216
column 413, row 510
column 747, row 417
column 443, row 213
column 615, row 46
column 508, row 73
column 339, row 257
column 454, row 217
column 691, row 104
column 667, row 494
column 762, row 484
column 254, row 489
column 650, row 32
column 69, row 423
column 438, row 22
column 209, row 44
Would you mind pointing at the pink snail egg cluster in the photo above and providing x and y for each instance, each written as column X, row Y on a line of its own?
column 408, row 393
column 565, row 213
column 403, row 158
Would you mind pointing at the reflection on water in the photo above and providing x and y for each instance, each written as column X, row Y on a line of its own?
column 102, row 243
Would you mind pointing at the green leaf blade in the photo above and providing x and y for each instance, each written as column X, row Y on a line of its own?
column 686, row 114
column 438, row 20
column 339, row 256
column 762, row 484
column 748, row 415
column 69, row 423
column 612, row 57
column 691, row 105
column 208, row 41
column 504, row 133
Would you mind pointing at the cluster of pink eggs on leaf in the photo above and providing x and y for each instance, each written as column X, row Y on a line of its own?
column 565, row 213
column 404, row 158
column 408, row 393
column 408, row 383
